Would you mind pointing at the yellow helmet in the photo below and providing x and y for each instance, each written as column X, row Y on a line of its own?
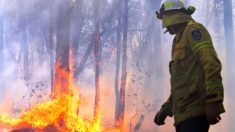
column 174, row 12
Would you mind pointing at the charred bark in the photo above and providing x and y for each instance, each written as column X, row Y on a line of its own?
column 63, row 44
column 121, row 100
column 117, row 68
column 82, row 63
column 51, row 44
column 139, row 123
column 77, row 24
column 97, row 52
column 117, row 71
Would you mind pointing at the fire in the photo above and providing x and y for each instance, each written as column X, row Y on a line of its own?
column 61, row 112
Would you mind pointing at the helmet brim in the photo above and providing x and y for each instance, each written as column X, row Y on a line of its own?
column 172, row 18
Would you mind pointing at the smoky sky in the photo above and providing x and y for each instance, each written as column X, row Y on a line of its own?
column 148, row 85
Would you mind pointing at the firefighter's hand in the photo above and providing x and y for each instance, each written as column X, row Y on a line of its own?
column 160, row 118
column 212, row 112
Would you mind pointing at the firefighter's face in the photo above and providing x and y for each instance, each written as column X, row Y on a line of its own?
column 172, row 29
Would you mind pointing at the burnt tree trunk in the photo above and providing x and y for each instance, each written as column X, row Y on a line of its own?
column 63, row 45
column 51, row 43
column 121, row 100
column 77, row 24
column 139, row 123
column 117, row 72
column 97, row 51
column 85, row 57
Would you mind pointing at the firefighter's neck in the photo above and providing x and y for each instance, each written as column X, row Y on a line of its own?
column 176, row 29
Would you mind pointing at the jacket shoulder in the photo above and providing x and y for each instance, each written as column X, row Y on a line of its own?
column 192, row 25
column 196, row 31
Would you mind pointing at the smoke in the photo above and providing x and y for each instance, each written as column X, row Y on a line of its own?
column 148, row 81
column 22, row 91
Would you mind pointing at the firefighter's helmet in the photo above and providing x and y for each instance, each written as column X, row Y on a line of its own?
column 174, row 12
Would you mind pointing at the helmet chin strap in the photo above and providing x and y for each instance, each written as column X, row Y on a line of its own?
column 166, row 31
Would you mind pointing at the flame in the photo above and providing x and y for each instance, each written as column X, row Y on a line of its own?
column 61, row 112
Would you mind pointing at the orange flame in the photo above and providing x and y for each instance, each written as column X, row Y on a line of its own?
column 60, row 112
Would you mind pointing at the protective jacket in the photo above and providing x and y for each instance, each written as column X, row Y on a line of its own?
column 195, row 74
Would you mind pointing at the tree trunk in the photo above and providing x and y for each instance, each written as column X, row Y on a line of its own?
column 228, row 30
column 51, row 44
column 63, row 45
column 156, row 41
column 61, row 78
column 23, row 27
column 228, row 25
column 121, row 101
column 77, row 25
column 139, row 123
column 118, row 47
column 24, row 47
column 218, row 27
column 97, row 74
column 97, row 52
column 82, row 63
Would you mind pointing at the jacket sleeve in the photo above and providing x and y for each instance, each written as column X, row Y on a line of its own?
column 203, row 50
column 167, row 107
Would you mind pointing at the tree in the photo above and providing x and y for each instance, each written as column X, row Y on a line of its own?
column 121, row 100
column 76, row 31
column 156, row 40
column 97, row 51
column 218, row 25
column 63, row 44
column 23, row 26
column 50, row 42
column 118, row 59
column 228, row 25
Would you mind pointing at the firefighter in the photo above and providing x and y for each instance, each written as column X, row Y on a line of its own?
column 196, row 97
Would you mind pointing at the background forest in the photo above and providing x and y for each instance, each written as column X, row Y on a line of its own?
column 120, row 56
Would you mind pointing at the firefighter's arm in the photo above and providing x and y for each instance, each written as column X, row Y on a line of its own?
column 202, row 47
column 166, row 110
column 167, row 107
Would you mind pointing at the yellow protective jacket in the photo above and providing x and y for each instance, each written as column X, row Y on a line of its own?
column 195, row 74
